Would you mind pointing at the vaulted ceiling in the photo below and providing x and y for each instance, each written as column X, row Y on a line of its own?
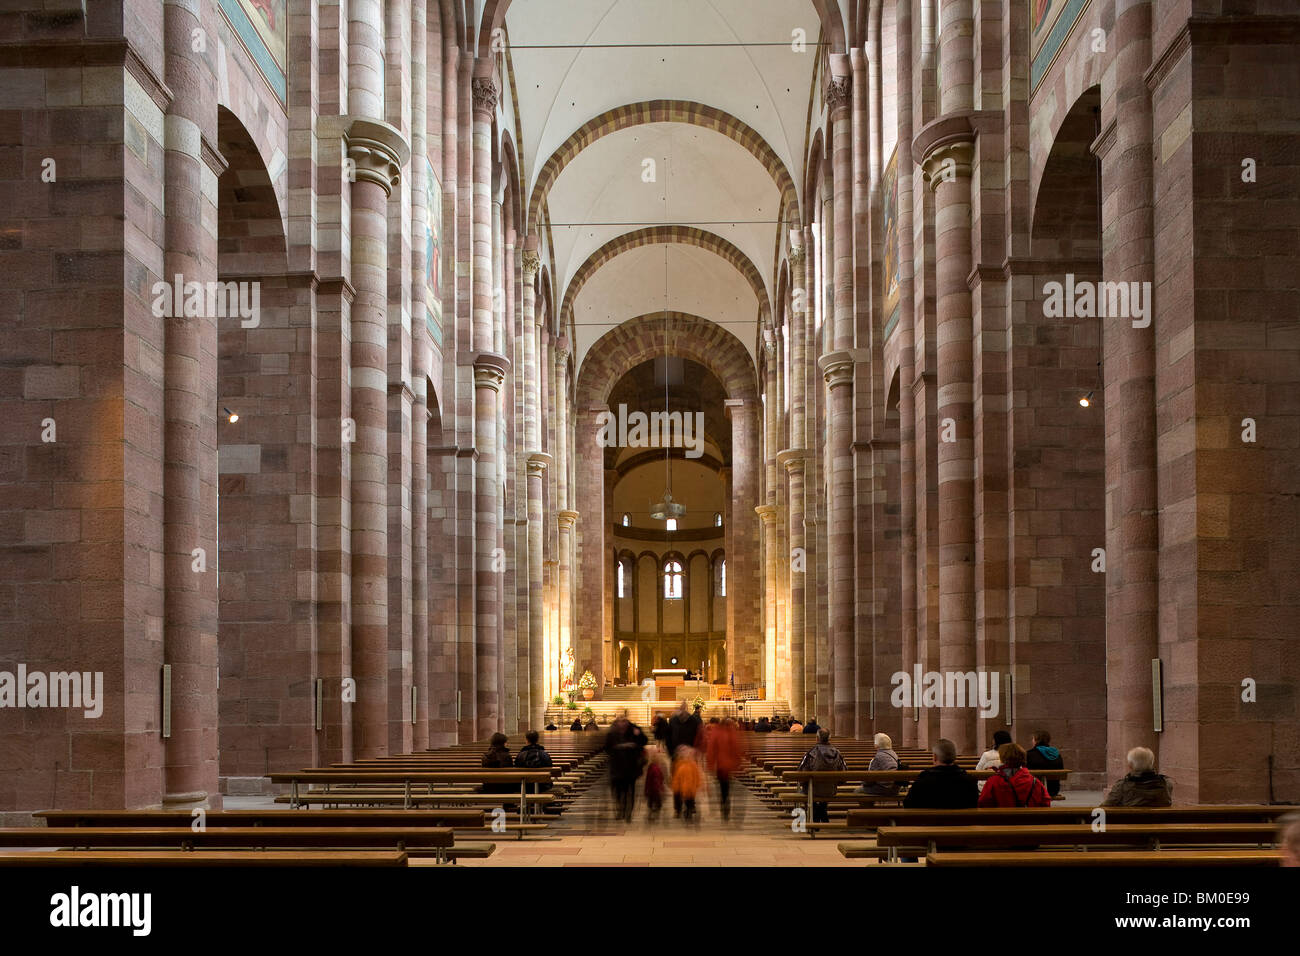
column 722, row 157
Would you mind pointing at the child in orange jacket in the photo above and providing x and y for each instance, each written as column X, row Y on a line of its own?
column 686, row 782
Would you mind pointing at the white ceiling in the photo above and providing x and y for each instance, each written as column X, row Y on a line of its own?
column 707, row 179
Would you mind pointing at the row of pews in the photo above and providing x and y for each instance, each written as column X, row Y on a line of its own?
column 437, row 805
column 1059, row 835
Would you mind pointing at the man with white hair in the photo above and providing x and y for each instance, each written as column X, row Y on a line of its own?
column 1141, row 786
column 884, row 759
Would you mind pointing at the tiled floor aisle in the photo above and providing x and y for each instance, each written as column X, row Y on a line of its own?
column 588, row 835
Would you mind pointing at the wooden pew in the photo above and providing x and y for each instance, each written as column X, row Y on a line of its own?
column 252, row 839
column 203, row 858
column 1149, row 836
column 406, row 779
column 1110, row 858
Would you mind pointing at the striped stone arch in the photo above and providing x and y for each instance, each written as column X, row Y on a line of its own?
column 667, row 111
column 640, row 339
column 658, row 235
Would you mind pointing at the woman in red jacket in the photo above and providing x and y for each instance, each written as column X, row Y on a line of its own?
column 1011, row 784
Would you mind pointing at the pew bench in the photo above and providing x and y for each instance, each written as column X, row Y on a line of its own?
column 1110, row 858
column 203, row 858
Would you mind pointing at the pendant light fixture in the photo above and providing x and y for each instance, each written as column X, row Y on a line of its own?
column 666, row 509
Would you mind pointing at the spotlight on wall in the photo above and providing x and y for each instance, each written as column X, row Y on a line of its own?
column 1086, row 400
column 232, row 417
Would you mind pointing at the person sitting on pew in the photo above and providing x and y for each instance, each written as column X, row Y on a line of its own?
column 812, row 726
column 533, row 756
column 885, row 759
column 823, row 757
column 1012, row 785
column 764, row 727
column 989, row 759
column 945, row 786
column 795, row 726
column 1043, row 756
column 551, row 726
column 1141, row 786
column 576, row 726
column 591, row 725
column 498, row 758
column 1289, row 839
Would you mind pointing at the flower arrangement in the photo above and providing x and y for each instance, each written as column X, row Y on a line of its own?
column 587, row 681
column 697, row 702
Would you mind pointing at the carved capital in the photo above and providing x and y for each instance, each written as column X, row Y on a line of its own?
column 486, row 94
column 837, row 367
column 378, row 151
column 767, row 513
column 839, row 93
column 538, row 462
column 792, row 459
column 947, row 163
column 796, row 256
column 567, row 519
column 490, row 370
column 532, row 264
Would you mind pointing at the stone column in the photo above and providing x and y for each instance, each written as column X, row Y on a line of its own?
column 379, row 152
column 744, row 560
column 590, row 491
column 537, row 462
column 768, row 515
column 566, row 520
column 1129, row 356
column 490, row 368
column 189, row 414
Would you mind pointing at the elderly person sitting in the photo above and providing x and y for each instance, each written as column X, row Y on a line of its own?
column 884, row 759
column 1141, row 786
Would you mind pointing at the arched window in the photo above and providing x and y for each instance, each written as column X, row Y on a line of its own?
column 627, row 520
column 722, row 578
column 717, row 519
column 672, row 580
column 618, row 574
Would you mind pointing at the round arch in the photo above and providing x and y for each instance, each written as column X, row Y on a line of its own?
column 656, row 235
column 666, row 111
column 642, row 338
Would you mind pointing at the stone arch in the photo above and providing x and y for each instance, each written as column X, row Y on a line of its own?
column 665, row 111
column 642, row 338
column 654, row 235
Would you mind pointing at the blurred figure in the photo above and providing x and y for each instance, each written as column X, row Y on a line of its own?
column 576, row 726
column 1042, row 756
column 1290, row 839
column 822, row 757
column 812, row 726
column 498, row 758
column 550, row 727
column 723, row 752
column 533, row 756
column 1011, row 784
column 624, row 743
column 660, row 731
column 795, row 726
column 591, row 725
column 1141, row 786
column 764, row 727
column 656, row 776
column 884, row 759
column 686, row 782
column 683, row 729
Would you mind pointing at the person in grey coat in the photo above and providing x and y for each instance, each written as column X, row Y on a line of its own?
column 1141, row 786
column 884, row 759
column 823, row 757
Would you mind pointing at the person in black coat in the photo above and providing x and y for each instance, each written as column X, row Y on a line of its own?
column 1041, row 755
column 945, row 786
column 533, row 756
column 683, row 729
column 811, row 727
column 625, row 743
column 576, row 726
column 498, row 758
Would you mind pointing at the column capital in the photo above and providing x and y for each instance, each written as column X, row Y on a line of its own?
column 796, row 256
column 837, row 367
column 792, row 459
column 731, row 406
column 538, row 462
column 839, row 93
column 945, row 148
column 490, row 370
column 560, row 348
column 532, row 263
column 486, row 95
column 567, row 519
column 767, row 512
column 378, row 150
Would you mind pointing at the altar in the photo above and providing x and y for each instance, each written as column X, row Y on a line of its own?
column 667, row 681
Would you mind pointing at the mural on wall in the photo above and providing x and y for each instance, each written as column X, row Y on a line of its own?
column 1050, row 22
column 263, row 26
column 433, row 254
column 889, row 215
